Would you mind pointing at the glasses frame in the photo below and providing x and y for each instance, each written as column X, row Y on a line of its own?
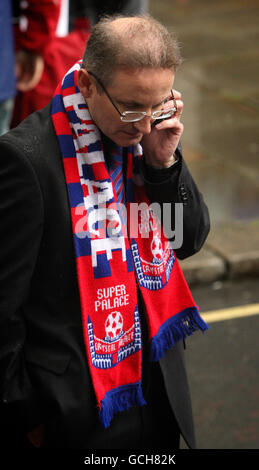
column 142, row 114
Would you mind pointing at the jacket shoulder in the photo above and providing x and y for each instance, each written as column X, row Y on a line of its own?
column 33, row 144
column 31, row 137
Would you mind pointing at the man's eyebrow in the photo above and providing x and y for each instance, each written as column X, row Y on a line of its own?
column 138, row 105
column 130, row 103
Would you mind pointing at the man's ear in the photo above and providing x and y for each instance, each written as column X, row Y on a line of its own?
column 85, row 83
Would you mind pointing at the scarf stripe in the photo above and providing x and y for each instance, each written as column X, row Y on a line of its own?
column 116, row 174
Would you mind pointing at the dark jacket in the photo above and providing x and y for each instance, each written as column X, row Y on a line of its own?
column 44, row 376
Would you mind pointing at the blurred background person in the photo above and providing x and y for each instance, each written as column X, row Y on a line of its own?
column 46, row 49
column 34, row 26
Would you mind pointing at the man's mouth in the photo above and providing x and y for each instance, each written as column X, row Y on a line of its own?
column 133, row 134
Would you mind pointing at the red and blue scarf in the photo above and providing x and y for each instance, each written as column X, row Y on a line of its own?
column 115, row 253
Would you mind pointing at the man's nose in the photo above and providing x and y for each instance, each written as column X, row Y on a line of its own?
column 144, row 125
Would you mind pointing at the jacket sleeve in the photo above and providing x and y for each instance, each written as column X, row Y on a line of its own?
column 21, row 222
column 176, row 185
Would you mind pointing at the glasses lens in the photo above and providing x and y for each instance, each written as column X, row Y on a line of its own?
column 163, row 114
column 131, row 116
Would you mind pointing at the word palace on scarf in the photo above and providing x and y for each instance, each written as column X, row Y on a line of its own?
column 111, row 297
column 101, row 220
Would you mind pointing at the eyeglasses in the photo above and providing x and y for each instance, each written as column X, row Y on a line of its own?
column 134, row 116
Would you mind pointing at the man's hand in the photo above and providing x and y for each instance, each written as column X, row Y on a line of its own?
column 159, row 146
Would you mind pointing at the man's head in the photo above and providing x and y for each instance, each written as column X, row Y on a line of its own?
column 134, row 59
column 130, row 42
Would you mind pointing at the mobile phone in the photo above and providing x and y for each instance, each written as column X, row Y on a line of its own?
column 157, row 121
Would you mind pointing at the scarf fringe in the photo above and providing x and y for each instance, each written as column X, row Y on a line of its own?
column 120, row 399
column 175, row 329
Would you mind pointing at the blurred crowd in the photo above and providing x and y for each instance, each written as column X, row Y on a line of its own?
column 40, row 41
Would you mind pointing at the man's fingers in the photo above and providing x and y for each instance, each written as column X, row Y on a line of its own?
column 177, row 95
column 173, row 124
column 179, row 105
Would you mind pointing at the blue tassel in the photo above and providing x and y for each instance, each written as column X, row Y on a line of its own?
column 120, row 399
column 175, row 329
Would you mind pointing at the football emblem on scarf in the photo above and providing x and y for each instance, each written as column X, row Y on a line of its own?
column 157, row 250
column 113, row 326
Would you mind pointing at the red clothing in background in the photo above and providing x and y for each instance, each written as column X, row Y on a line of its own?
column 59, row 53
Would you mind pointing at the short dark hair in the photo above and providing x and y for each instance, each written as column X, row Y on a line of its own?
column 140, row 42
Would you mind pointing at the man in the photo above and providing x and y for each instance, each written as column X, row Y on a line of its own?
column 87, row 301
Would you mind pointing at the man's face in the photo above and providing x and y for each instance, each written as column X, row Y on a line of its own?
column 138, row 90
